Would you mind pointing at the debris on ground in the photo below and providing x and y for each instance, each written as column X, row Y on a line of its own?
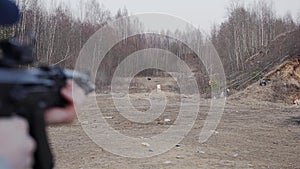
column 179, row 157
column 200, row 152
column 146, row 144
column 167, row 162
column 235, row 155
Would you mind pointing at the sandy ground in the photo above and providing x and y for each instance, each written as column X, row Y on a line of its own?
column 250, row 135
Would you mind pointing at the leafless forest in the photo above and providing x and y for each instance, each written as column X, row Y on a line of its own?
column 61, row 35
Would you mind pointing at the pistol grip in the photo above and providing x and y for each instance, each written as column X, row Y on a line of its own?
column 43, row 156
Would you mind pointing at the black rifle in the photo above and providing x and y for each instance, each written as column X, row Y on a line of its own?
column 30, row 92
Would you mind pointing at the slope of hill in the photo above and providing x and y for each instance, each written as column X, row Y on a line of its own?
column 284, row 47
column 279, row 65
column 282, row 86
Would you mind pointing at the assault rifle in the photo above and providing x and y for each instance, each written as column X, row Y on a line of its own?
column 30, row 92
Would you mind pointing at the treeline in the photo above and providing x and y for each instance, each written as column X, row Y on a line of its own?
column 246, row 32
column 61, row 35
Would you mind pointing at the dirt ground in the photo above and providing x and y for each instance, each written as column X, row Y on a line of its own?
column 250, row 135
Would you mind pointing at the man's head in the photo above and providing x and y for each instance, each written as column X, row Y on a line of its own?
column 9, row 13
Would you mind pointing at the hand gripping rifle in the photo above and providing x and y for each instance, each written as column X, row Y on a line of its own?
column 29, row 92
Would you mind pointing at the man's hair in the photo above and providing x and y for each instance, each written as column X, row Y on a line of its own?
column 9, row 13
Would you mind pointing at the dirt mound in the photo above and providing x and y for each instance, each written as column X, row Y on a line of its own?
column 272, row 75
column 282, row 85
column 285, row 47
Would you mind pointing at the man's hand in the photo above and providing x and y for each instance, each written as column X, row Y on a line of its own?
column 66, row 114
column 17, row 147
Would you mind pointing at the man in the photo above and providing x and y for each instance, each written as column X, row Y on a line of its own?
column 16, row 145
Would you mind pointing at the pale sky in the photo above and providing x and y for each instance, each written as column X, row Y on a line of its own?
column 201, row 13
